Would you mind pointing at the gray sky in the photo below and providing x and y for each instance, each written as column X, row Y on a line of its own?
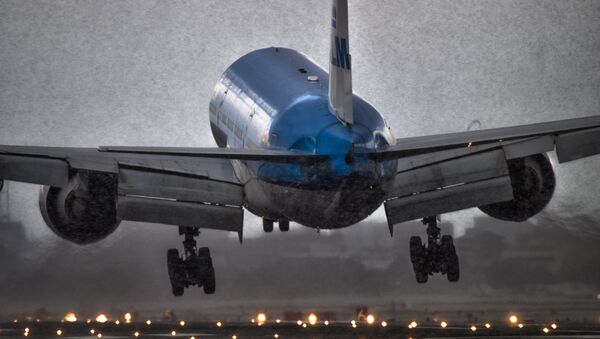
column 89, row 73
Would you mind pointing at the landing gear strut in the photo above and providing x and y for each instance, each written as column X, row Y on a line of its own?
column 193, row 268
column 438, row 256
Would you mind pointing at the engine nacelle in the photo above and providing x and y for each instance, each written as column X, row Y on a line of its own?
column 84, row 211
column 533, row 184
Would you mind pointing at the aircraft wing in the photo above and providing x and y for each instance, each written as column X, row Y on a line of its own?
column 178, row 186
column 449, row 172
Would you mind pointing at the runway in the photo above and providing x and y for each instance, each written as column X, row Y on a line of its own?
column 291, row 329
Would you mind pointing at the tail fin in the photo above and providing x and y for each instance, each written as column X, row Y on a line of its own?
column 340, row 68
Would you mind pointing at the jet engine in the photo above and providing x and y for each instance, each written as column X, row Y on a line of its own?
column 533, row 184
column 84, row 211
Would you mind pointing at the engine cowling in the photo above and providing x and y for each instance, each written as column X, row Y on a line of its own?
column 84, row 211
column 533, row 184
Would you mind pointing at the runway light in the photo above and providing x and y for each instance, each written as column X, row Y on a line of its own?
column 520, row 325
column 219, row 324
column 26, row 329
column 299, row 322
column 58, row 332
column 173, row 333
column 278, row 321
column 92, row 331
column 487, row 325
column 15, row 321
column 234, row 336
column 275, row 335
column 127, row 317
column 413, row 324
column 88, row 321
column 444, row 324
column 192, row 337
column 70, row 317
column 354, row 325
column 101, row 318
column 370, row 319
column 546, row 330
column 384, row 324
column 261, row 317
column 148, row 322
column 304, row 325
column 26, row 334
column 117, row 322
column 99, row 335
column 554, row 326
column 513, row 319
column 473, row 328
column 136, row 334
column 326, row 322
column 312, row 318
column 182, row 323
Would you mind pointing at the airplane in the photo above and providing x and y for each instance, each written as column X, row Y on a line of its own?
column 296, row 144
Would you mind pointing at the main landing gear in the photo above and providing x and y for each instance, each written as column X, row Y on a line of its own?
column 438, row 256
column 193, row 268
column 284, row 225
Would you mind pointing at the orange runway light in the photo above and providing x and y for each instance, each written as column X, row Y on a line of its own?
column 312, row 318
column 444, row 324
column 101, row 318
column 70, row 317
column 520, row 325
column 370, row 319
column 513, row 319
column 261, row 317
column 473, row 328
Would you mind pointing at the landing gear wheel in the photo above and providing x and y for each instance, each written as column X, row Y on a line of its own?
column 210, row 282
column 267, row 225
column 176, row 272
column 450, row 258
column 418, row 257
column 284, row 225
column 437, row 256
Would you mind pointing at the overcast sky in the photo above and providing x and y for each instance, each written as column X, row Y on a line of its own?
column 89, row 73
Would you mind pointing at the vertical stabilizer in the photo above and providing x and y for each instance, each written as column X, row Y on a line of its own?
column 340, row 67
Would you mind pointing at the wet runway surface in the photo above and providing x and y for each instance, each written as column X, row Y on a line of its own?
column 290, row 330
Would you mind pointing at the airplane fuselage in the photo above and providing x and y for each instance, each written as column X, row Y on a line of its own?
column 276, row 98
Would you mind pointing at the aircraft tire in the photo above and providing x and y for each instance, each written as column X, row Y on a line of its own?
column 284, row 225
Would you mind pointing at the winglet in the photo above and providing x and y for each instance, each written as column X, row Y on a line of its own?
column 340, row 67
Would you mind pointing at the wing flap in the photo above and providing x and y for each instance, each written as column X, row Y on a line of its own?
column 577, row 145
column 448, row 200
column 136, row 182
column 448, row 172
column 34, row 170
column 181, row 213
